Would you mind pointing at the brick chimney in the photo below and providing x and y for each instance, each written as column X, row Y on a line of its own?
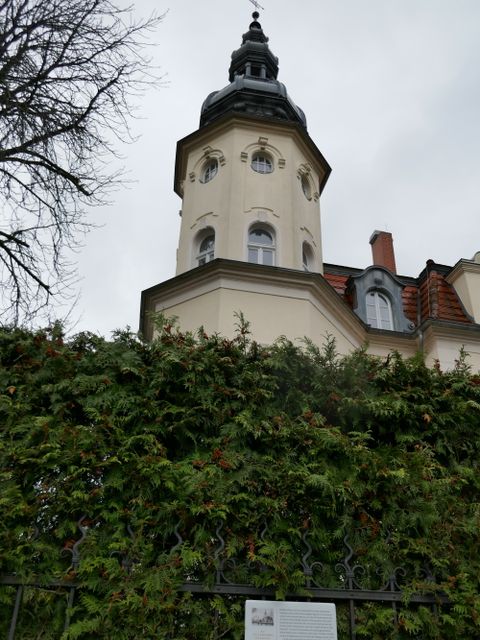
column 382, row 250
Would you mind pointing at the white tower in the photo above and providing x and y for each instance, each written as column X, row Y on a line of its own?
column 250, row 180
column 250, row 177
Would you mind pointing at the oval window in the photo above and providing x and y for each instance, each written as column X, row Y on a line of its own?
column 307, row 257
column 210, row 170
column 306, row 188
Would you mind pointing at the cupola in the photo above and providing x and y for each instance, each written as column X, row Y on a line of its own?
column 254, row 58
column 254, row 89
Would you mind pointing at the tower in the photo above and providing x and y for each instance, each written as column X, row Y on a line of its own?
column 250, row 177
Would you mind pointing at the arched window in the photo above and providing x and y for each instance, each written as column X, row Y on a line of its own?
column 206, row 249
column 307, row 257
column 262, row 163
column 209, row 171
column 379, row 311
column 261, row 246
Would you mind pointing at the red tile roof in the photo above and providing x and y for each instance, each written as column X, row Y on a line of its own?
column 438, row 299
column 338, row 282
column 430, row 293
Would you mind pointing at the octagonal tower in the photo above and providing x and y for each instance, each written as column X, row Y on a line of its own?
column 250, row 177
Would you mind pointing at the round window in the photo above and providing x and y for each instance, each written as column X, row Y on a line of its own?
column 261, row 163
column 210, row 170
column 306, row 188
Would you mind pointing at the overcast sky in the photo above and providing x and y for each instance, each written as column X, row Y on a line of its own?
column 391, row 91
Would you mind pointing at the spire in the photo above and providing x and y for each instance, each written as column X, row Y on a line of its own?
column 254, row 89
column 254, row 57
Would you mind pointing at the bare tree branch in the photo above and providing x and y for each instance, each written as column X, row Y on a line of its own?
column 69, row 71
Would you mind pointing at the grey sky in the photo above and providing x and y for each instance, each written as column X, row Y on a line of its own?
column 391, row 91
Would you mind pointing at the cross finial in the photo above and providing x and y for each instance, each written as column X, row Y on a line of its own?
column 257, row 5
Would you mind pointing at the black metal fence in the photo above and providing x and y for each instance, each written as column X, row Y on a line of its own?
column 355, row 583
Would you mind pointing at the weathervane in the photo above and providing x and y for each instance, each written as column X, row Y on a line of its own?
column 257, row 5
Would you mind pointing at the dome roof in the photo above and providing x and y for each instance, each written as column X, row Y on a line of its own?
column 254, row 88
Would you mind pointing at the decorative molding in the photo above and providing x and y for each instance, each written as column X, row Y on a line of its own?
column 201, row 221
column 256, row 210
column 263, row 145
column 192, row 176
column 208, row 153
column 311, row 238
column 305, row 169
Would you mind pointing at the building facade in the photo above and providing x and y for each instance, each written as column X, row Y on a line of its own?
column 250, row 179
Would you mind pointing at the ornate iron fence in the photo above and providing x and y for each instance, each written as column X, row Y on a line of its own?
column 351, row 589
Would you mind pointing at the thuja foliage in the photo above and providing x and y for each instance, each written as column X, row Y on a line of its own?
column 135, row 439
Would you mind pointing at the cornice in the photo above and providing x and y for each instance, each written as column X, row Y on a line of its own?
column 462, row 266
column 453, row 330
column 215, row 273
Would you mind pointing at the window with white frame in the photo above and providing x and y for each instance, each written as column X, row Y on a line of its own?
column 206, row 249
column 261, row 246
column 209, row 171
column 262, row 163
column 379, row 311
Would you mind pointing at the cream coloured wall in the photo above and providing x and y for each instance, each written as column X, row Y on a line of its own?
column 270, row 316
column 447, row 353
column 383, row 345
column 273, row 315
column 294, row 305
column 444, row 346
column 238, row 197
column 465, row 278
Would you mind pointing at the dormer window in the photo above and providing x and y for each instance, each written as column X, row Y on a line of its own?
column 379, row 311
column 377, row 299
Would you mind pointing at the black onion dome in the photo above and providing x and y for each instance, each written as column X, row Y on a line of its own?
column 254, row 88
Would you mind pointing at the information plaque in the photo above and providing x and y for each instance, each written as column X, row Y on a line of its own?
column 270, row 620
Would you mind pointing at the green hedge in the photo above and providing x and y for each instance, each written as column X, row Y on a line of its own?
column 135, row 439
